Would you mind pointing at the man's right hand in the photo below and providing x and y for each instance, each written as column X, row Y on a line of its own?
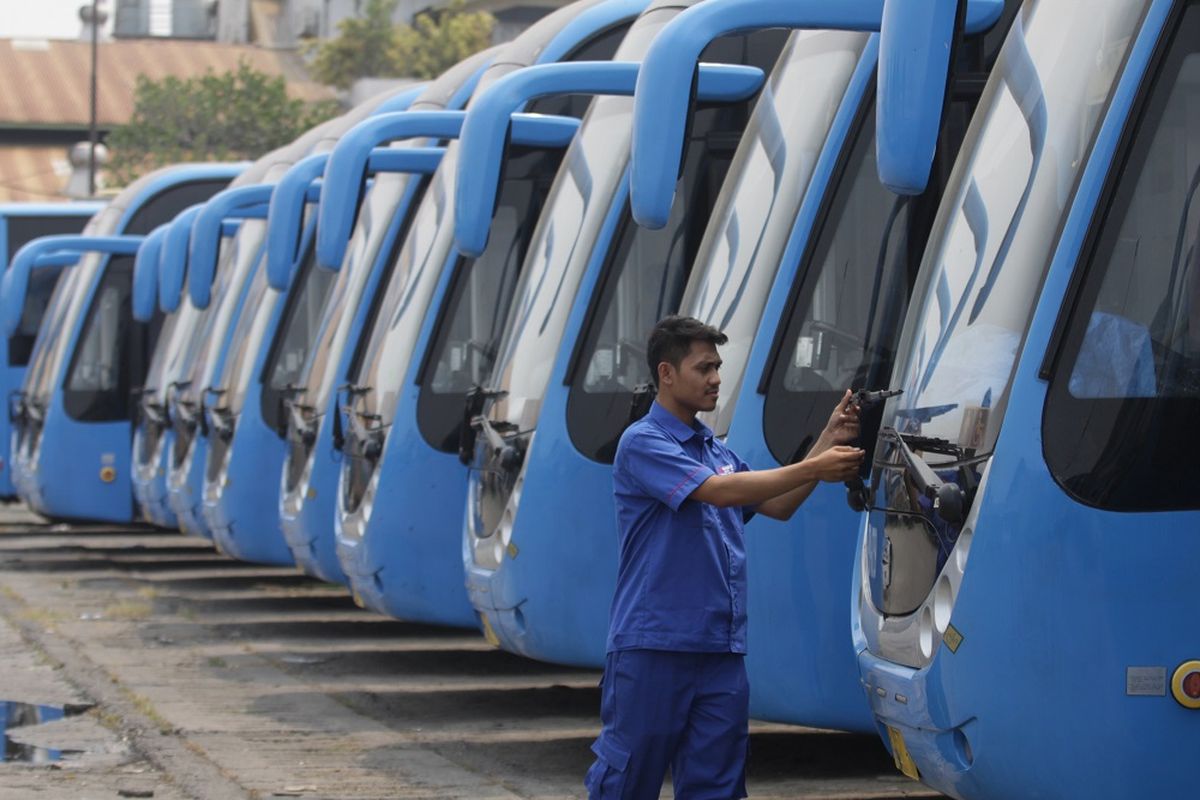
column 837, row 464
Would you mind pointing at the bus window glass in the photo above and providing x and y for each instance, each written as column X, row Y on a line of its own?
column 1121, row 426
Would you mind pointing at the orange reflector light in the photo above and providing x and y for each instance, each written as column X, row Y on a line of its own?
column 1185, row 684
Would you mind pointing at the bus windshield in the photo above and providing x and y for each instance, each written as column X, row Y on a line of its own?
column 242, row 254
column 374, row 223
column 740, row 255
column 414, row 275
column 995, row 234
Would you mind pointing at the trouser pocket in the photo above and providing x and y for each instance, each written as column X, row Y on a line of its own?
column 606, row 778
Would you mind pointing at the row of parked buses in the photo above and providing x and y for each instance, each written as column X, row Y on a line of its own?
column 399, row 352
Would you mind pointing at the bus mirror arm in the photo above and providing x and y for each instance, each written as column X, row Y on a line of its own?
column 172, row 264
column 495, row 121
column 915, row 39
column 240, row 202
column 144, row 300
column 348, row 165
column 44, row 251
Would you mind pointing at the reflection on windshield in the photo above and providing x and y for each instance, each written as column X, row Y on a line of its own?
column 738, row 260
column 244, row 252
column 413, row 279
column 374, row 228
column 248, row 336
column 594, row 167
column 993, row 239
column 1120, row 428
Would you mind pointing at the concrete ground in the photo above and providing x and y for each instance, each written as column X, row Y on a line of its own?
column 186, row 674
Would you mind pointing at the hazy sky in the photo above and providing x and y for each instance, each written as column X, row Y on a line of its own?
column 49, row 19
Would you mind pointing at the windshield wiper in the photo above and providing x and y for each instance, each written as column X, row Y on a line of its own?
column 350, row 391
column 857, row 495
column 949, row 500
column 476, row 398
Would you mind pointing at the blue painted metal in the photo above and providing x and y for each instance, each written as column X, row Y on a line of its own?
column 65, row 218
column 74, row 465
column 145, row 275
column 502, row 596
column 399, row 562
column 190, row 402
column 346, row 170
column 243, row 202
column 1057, row 599
column 285, row 221
column 240, row 446
column 16, row 278
column 173, row 264
column 917, row 85
column 301, row 185
column 411, row 160
column 490, row 125
column 801, row 673
column 67, row 258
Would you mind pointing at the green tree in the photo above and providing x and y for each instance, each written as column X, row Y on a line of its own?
column 436, row 42
column 370, row 46
column 362, row 48
column 240, row 114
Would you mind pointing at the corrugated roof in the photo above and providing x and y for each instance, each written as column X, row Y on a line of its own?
column 33, row 173
column 47, row 82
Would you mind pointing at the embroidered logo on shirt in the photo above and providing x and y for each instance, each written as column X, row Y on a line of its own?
column 725, row 469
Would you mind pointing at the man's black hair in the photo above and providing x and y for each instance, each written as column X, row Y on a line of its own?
column 671, row 341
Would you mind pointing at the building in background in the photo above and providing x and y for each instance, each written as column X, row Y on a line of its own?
column 44, row 113
column 45, row 108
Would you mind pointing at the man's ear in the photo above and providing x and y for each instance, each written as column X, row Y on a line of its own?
column 666, row 373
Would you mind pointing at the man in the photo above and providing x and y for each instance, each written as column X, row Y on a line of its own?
column 674, row 692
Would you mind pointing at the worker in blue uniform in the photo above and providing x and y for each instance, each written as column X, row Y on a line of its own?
column 674, row 692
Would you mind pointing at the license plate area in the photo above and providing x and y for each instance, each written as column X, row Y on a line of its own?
column 900, row 754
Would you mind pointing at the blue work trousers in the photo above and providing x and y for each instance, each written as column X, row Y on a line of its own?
column 686, row 711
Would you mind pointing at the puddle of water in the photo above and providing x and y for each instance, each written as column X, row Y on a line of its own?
column 18, row 715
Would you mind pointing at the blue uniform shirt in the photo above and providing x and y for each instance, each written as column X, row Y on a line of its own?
column 681, row 581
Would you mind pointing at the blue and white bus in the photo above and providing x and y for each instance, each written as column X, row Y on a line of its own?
column 402, row 486
column 21, row 223
column 1022, row 618
column 263, row 379
column 89, row 356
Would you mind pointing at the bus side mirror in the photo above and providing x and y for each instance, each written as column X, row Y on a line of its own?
column 49, row 251
column 492, row 121
column 172, row 264
column 145, row 275
column 346, row 171
column 242, row 202
column 915, row 42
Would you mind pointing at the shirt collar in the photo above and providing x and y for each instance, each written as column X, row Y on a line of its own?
column 676, row 427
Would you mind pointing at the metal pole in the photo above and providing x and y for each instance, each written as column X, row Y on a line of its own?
column 92, row 133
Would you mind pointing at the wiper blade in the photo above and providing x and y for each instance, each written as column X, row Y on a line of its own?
column 473, row 422
column 949, row 500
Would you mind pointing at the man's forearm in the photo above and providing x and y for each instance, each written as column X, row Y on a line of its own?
column 783, row 506
column 754, row 488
